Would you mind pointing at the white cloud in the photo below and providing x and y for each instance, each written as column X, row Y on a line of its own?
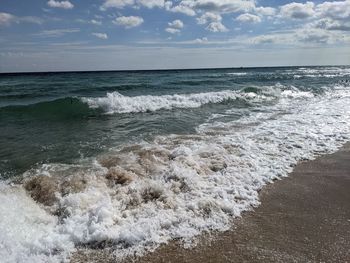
column 332, row 16
column 208, row 17
column 221, row 6
column 323, row 17
column 100, row 35
column 318, row 36
column 92, row 22
column 168, row 5
column 178, row 24
column 213, row 20
column 133, row 3
column 116, row 4
column 182, row 9
column 297, row 10
column 306, row 36
column 265, row 39
column 172, row 30
column 192, row 7
column 57, row 32
column 330, row 24
column 60, row 4
column 265, row 11
column 335, row 10
column 248, row 18
column 151, row 3
column 6, row 19
column 128, row 21
column 202, row 40
column 30, row 19
column 216, row 27
column 95, row 22
column 175, row 27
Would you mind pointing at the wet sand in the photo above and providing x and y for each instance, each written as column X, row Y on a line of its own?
column 302, row 218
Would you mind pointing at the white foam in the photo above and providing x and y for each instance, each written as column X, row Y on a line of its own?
column 115, row 102
column 181, row 185
column 297, row 94
column 27, row 232
column 328, row 72
column 237, row 73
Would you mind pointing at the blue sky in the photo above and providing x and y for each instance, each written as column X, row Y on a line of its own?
column 52, row 35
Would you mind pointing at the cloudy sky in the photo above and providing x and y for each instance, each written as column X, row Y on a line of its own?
column 53, row 35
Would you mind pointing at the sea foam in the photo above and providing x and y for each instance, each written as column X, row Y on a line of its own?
column 136, row 197
column 115, row 102
column 28, row 232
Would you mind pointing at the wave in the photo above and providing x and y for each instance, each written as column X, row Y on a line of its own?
column 115, row 102
column 56, row 109
column 140, row 196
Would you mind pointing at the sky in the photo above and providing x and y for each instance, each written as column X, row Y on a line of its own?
column 72, row 35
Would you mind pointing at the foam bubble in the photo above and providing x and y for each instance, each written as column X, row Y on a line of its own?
column 29, row 233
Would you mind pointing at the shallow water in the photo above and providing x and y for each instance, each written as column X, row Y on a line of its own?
column 134, row 159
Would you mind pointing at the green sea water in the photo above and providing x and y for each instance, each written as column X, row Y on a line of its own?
column 128, row 161
column 43, row 118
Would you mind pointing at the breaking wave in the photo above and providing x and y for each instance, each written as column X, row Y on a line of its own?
column 117, row 103
column 139, row 196
column 114, row 102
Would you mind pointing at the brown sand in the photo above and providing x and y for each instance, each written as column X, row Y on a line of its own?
column 302, row 218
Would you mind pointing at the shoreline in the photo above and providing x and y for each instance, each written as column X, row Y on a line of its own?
column 304, row 217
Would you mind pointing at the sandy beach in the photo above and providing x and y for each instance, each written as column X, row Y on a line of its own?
column 302, row 218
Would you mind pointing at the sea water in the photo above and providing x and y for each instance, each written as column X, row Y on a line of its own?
column 132, row 160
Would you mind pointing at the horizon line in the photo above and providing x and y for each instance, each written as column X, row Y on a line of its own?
column 157, row 70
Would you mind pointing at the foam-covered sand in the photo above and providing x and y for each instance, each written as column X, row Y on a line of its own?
column 135, row 198
column 303, row 218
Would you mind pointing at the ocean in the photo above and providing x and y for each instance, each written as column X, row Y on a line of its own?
column 132, row 160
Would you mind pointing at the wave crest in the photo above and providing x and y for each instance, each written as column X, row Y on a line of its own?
column 115, row 102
